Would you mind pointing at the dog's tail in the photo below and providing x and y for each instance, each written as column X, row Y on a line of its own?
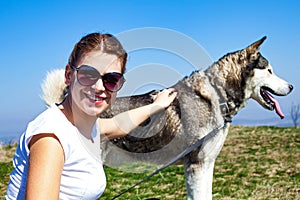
column 54, row 88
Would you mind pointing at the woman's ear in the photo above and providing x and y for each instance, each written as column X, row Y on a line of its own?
column 68, row 75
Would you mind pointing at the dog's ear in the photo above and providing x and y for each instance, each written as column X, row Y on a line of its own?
column 251, row 51
column 253, row 48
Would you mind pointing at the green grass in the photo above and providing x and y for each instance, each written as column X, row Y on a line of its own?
column 255, row 163
column 259, row 163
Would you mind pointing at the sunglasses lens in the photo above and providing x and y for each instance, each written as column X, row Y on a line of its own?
column 87, row 75
column 113, row 81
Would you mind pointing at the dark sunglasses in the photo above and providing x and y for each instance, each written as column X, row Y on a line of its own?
column 87, row 76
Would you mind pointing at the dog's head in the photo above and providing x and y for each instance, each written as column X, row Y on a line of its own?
column 261, row 81
column 246, row 74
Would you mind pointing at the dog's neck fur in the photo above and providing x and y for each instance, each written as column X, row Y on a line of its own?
column 227, row 77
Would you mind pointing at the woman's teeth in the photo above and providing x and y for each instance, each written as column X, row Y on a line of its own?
column 96, row 98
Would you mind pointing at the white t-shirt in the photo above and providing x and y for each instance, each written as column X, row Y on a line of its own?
column 82, row 177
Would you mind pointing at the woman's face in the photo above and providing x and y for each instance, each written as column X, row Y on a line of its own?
column 95, row 99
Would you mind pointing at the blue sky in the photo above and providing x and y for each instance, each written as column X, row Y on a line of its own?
column 37, row 36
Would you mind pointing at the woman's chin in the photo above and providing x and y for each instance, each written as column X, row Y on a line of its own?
column 96, row 109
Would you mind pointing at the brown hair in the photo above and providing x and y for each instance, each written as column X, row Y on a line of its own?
column 105, row 43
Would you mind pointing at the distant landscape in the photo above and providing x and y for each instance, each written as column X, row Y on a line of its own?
column 12, row 137
column 7, row 138
column 287, row 122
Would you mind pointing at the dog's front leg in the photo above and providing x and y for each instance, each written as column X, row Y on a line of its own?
column 199, row 177
column 199, row 167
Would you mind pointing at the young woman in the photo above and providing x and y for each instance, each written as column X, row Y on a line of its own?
column 58, row 156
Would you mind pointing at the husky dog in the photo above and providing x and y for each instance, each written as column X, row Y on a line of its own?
column 206, row 100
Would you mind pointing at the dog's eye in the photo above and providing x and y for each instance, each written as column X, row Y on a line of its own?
column 270, row 71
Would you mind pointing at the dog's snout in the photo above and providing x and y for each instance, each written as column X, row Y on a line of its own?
column 291, row 87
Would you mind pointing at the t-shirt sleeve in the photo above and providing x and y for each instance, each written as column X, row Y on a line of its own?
column 48, row 123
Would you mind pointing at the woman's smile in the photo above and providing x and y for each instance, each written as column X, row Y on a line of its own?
column 96, row 98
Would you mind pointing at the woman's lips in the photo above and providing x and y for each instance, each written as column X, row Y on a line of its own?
column 97, row 99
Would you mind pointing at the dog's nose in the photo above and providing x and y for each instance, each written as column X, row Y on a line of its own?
column 291, row 87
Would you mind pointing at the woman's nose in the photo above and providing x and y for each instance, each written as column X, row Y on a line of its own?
column 99, row 85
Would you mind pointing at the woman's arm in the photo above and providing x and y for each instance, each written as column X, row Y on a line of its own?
column 121, row 124
column 46, row 162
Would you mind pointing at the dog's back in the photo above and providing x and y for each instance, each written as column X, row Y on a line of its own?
column 166, row 134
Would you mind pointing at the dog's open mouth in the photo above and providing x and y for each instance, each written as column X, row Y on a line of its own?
column 272, row 103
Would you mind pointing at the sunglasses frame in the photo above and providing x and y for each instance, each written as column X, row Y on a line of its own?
column 105, row 82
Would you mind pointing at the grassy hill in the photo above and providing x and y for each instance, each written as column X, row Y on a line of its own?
column 255, row 163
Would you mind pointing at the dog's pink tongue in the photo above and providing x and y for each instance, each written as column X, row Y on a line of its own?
column 277, row 106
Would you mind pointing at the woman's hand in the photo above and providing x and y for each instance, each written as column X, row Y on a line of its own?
column 165, row 97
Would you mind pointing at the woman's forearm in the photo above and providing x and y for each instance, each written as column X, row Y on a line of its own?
column 121, row 124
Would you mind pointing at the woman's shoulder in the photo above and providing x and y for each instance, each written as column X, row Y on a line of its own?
column 49, row 120
column 52, row 121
